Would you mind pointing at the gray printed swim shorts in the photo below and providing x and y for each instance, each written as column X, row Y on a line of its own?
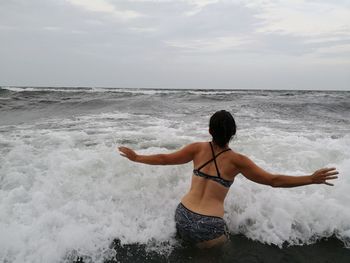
column 194, row 228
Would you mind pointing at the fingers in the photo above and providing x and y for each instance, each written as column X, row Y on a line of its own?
column 331, row 173
column 328, row 184
column 321, row 176
column 331, row 177
column 122, row 151
column 121, row 148
column 325, row 170
column 127, row 153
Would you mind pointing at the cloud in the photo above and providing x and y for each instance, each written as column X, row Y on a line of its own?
column 109, row 42
column 143, row 29
column 304, row 18
column 105, row 7
column 209, row 45
column 335, row 50
column 52, row 28
column 198, row 5
column 327, row 39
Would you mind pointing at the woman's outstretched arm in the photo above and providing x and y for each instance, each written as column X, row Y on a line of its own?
column 184, row 155
column 253, row 172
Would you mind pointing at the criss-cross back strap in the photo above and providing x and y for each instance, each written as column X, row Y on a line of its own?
column 213, row 159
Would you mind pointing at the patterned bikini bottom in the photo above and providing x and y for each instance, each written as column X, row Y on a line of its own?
column 195, row 228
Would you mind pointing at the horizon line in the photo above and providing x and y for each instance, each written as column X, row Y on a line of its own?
column 165, row 88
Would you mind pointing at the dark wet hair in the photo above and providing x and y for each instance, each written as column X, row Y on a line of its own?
column 222, row 127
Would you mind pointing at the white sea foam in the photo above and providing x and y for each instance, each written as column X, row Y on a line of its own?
column 89, row 90
column 64, row 187
column 127, row 90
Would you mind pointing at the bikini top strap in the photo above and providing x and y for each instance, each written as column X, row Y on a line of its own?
column 222, row 152
column 214, row 157
column 200, row 167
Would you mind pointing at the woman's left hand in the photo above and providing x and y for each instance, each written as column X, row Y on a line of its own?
column 128, row 153
column 322, row 175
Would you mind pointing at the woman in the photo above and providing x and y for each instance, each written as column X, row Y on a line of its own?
column 199, row 216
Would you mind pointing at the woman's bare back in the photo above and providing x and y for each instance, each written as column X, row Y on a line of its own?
column 207, row 196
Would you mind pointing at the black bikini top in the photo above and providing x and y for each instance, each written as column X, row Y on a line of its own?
column 218, row 178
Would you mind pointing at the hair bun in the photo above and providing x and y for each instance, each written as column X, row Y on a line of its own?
column 222, row 127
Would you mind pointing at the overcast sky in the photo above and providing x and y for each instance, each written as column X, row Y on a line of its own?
column 237, row 44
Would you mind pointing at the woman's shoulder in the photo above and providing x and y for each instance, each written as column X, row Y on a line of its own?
column 201, row 144
column 239, row 158
column 198, row 145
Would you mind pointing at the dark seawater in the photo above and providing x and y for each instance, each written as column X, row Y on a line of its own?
column 242, row 250
column 239, row 249
column 66, row 194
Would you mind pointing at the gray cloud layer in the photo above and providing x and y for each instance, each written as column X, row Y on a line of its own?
column 234, row 44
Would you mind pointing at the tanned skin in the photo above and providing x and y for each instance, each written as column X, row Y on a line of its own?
column 206, row 196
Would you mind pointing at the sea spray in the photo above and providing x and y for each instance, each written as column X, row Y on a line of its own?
column 65, row 190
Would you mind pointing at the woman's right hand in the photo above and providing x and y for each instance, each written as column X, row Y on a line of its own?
column 128, row 153
column 322, row 175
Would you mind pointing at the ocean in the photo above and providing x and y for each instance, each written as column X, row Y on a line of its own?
column 66, row 195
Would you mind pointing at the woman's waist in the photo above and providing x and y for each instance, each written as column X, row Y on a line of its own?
column 204, row 205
